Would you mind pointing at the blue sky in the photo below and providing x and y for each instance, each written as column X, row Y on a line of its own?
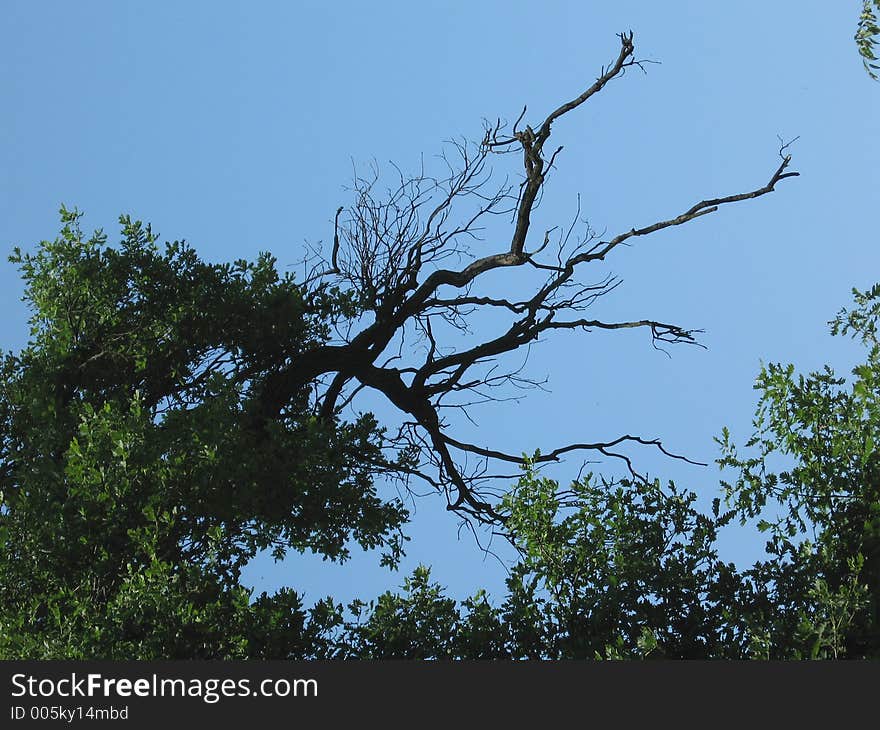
column 234, row 126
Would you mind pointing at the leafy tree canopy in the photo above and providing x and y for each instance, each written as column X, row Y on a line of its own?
column 134, row 487
column 170, row 418
column 631, row 569
column 867, row 32
column 124, row 524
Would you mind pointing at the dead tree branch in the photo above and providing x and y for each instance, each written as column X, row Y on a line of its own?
column 406, row 257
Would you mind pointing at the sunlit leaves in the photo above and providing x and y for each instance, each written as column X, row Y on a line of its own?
column 135, row 484
column 813, row 468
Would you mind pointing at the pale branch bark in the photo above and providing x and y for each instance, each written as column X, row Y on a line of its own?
column 405, row 259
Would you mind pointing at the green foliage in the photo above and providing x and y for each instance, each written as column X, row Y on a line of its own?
column 834, row 613
column 813, row 463
column 867, row 32
column 623, row 564
column 135, row 483
column 608, row 571
column 630, row 570
column 137, row 480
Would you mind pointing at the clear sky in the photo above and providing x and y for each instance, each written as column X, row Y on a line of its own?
column 234, row 125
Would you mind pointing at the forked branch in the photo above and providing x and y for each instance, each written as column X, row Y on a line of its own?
column 407, row 258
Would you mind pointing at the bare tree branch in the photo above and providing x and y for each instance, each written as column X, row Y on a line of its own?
column 405, row 257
